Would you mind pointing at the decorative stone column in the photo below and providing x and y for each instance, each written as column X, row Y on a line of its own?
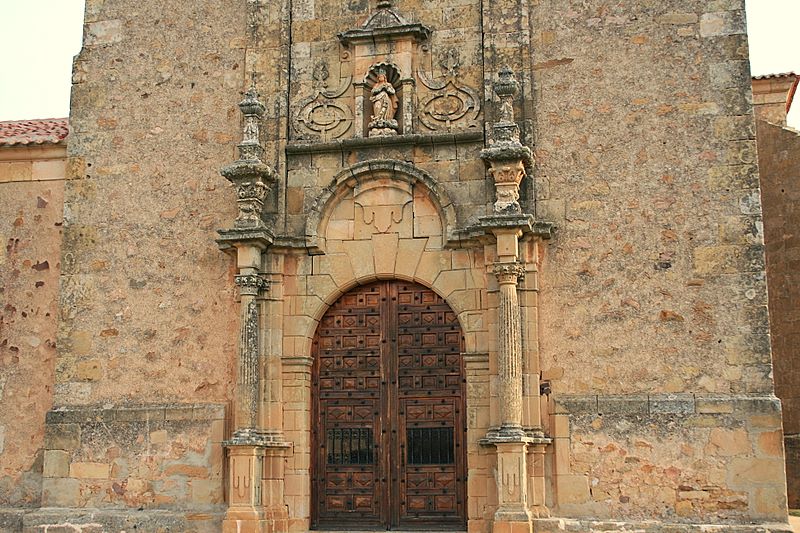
column 509, row 353
column 255, row 481
column 247, row 380
column 507, row 161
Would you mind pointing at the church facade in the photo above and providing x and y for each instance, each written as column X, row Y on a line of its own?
column 463, row 265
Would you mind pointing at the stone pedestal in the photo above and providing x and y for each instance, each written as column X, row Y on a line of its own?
column 536, row 481
column 245, row 513
column 512, row 515
column 276, row 513
column 256, row 488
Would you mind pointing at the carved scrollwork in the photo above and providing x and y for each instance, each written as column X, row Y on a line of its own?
column 324, row 116
column 451, row 105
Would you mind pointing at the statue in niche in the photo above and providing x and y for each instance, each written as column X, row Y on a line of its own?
column 384, row 107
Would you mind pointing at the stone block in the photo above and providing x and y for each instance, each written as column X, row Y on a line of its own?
column 56, row 463
column 60, row 492
column 770, row 443
column 622, row 405
column 409, row 252
column 713, row 405
column 746, row 472
column 89, row 470
column 384, row 247
column 577, row 405
column 672, row 404
column 430, row 265
column 49, row 170
column 15, row 171
column 571, row 489
column 449, row 281
column 361, row 255
column 721, row 23
column 62, row 436
column 728, row 442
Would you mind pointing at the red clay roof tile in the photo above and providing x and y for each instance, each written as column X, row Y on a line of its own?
column 41, row 131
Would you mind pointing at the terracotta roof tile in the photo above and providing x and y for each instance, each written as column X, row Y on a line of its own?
column 41, row 131
column 779, row 75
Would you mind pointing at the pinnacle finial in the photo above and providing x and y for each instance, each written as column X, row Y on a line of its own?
column 506, row 84
column 250, row 105
column 384, row 4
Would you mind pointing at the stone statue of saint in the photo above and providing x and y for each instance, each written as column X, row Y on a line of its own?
column 384, row 107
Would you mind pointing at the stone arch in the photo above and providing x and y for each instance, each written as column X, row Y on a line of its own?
column 361, row 173
column 343, row 289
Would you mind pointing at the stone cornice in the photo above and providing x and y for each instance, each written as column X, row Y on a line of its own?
column 341, row 145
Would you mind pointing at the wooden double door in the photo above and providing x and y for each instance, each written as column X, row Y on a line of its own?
column 389, row 424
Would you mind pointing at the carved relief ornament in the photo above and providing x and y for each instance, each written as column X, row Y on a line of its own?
column 326, row 115
column 250, row 284
column 451, row 105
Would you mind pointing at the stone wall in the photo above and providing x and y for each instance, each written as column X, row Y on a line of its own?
column 146, row 299
column 703, row 457
column 647, row 310
column 157, row 457
column 779, row 164
column 32, row 188
column 654, row 284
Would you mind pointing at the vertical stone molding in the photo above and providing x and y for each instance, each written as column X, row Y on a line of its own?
column 509, row 356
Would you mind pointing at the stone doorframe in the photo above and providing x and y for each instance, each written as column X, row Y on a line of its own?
column 388, row 220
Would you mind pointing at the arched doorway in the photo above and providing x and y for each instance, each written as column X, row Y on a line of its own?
column 389, row 421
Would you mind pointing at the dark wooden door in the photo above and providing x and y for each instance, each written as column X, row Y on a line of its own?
column 389, row 428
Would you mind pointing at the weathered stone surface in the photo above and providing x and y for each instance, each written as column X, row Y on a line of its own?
column 30, row 229
column 643, row 342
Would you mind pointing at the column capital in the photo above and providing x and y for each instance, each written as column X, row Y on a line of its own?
column 251, row 284
column 508, row 272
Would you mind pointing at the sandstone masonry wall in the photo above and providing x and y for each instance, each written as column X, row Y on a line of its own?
column 31, row 188
column 647, row 310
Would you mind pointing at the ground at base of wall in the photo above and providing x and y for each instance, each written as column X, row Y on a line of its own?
column 54, row 520
column 567, row 525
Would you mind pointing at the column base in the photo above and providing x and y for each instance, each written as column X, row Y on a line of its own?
column 252, row 520
column 512, row 526
column 255, row 485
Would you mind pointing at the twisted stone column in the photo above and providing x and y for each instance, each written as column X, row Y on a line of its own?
column 509, row 357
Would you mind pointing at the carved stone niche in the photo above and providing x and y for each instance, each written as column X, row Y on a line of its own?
column 382, row 97
column 385, row 41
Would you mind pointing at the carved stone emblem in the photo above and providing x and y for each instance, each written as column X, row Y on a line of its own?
column 325, row 115
column 451, row 105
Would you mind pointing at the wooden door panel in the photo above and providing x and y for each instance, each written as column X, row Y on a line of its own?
column 388, row 397
column 430, row 400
